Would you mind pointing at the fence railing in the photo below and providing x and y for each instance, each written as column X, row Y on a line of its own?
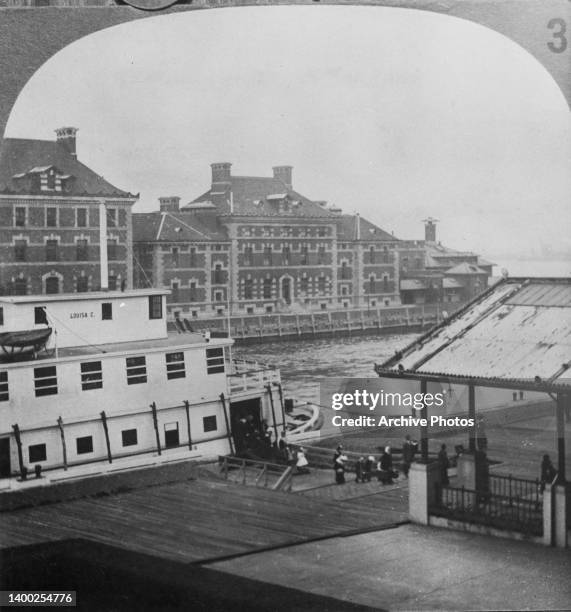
column 246, row 375
column 516, row 489
column 256, row 473
column 523, row 513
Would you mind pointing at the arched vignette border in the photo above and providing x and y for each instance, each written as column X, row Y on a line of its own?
column 30, row 36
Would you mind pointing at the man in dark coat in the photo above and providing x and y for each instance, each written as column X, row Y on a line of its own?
column 444, row 464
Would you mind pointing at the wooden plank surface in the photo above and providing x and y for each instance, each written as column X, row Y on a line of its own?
column 190, row 521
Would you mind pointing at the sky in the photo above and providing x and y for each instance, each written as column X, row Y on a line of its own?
column 392, row 113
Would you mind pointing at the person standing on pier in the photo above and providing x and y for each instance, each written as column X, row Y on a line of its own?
column 444, row 464
column 408, row 451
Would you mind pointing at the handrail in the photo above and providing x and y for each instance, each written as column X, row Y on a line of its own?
column 285, row 481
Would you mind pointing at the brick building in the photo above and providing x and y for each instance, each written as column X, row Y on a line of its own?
column 51, row 226
column 432, row 273
column 255, row 245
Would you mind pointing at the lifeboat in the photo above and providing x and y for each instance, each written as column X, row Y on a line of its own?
column 30, row 341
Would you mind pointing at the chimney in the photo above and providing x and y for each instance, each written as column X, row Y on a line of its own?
column 220, row 175
column 430, row 229
column 169, row 203
column 66, row 138
column 283, row 173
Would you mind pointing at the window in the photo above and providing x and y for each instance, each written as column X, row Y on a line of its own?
column 385, row 255
column 111, row 249
column 129, row 437
column 20, row 216
column 304, row 255
column 385, row 284
column 106, row 311
column 192, row 262
column 304, row 285
column 136, row 370
column 20, row 286
column 45, row 381
column 345, row 271
column 20, row 247
column 171, row 435
column 40, row 317
column 112, row 282
column 174, row 292
column 81, row 217
column 209, row 423
column 1, row 315
column 268, row 255
column 84, row 445
column 37, row 452
column 4, row 395
column 82, row 284
column 218, row 297
column 51, row 250
column 192, row 297
column 372, row 283
column 155, row 307
column 175, row 257
column 248, row 289
column 248, row 256
column 52, row 284
column 51, row 217
column 267, row 288
column 175, row 365
column 82, row 250
column 372, row 255
column 218, row 278
column 321, row 255
column 321, row 284
column 111, row 217
column 91, row 375
column 214, row 360
column 285, row 255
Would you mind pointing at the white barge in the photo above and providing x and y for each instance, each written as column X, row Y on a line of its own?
column 111, row 383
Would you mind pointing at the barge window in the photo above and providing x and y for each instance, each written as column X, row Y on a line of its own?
column 40, row 317
column 136, row 370
column 214, row 360
column 4, row 395
column 175, row 365
column 106, row 311
column 45, row 381
column 91, row 375
column 129, row 437
column 209, row 423
column 84, row 445
column 155, row 307
column 37, row 452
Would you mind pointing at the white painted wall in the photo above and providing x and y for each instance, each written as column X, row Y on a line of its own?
column 79, row 322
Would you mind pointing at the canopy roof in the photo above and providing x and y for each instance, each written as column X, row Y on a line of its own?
column 515, row 335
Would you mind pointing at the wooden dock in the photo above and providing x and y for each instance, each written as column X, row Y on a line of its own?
column 191, row 521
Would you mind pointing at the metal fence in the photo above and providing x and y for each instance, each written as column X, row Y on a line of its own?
column 509, row 504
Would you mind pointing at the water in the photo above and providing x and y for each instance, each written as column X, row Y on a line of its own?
column 303, row 362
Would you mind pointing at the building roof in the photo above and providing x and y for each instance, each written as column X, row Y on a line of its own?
column 256, row 196
column 176, row 227
column 347, row 229
column 466, row 268
column 20, row 157
column 516, row 333
column 412, row 284
column 451, row 283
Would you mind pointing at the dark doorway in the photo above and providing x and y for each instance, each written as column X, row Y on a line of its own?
column 171, row 435
column 246, row 424
column 5, row 469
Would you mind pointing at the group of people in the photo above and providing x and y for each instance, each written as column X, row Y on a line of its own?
column 365, row 469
